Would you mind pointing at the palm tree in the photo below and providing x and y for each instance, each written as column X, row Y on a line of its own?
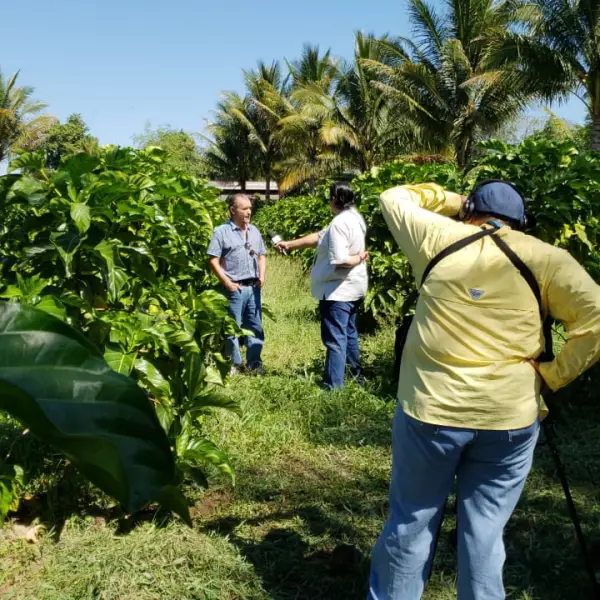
column 266, row 105
column 444, row 78
column 230, row 153
column 556, row 52
column 314, row 68
column 368, row 125
column 308, row 113
column 21, row 126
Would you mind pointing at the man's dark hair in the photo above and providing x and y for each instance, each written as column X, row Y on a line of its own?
column 342, row 194
column 490, row 216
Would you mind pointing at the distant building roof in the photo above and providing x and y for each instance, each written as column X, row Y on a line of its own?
column 251, row 186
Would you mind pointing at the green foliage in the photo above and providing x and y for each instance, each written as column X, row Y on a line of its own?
column 114, row 243
column 11, row 478
column 389, row 271
column 66, row 139
column 55, row 382
column 563, row 186
column 562, row 183
column 182, row 152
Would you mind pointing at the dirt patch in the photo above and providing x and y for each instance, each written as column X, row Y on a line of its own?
column 212, row 503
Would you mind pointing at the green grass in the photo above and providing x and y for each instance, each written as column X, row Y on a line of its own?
column 310, row 500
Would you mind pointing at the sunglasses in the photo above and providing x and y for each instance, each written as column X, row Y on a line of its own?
column 249, row 248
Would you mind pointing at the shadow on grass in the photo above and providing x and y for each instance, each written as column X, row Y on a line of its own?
column 290, row 567
column 55, row 491
column 308, row 548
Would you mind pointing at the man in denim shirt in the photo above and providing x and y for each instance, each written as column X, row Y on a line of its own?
column 238, row 258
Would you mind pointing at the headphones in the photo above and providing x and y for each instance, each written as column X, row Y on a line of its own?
column 468, row 206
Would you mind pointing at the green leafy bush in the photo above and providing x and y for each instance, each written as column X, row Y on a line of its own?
column 389, row 270
column 562, row 184
column 115, row 244
column 56, row 383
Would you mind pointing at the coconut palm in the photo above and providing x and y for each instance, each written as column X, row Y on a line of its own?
column 21, row 125
column 444, row 78
column 557, row 52
column 308, row 116
column 367, row 124
column 230, row 153
column 266, row 105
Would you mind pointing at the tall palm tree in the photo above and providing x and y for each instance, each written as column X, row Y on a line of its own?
column 368, row 125
column 21, row 125
column 444, row 78
column 308, row 113
column 230, row 153
column 314, row 68
column 266, row 105
column 556, row 51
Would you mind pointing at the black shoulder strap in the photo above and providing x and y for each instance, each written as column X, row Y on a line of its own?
column 523, row 269
column 454, row 248
column 548, row 352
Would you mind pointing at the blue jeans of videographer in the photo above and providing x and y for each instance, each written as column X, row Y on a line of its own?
column 490, row 468
column 246, row 308
column 340, row 337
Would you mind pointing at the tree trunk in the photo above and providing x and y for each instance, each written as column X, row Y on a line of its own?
column 463, row 148
column 267, row 185
column 596, row 132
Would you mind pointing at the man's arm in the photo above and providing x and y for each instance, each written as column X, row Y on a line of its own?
column 415, row 213
column 573, row 299
column 308, row 241
column 262, row 269
column 215, row 251
column 215, row 265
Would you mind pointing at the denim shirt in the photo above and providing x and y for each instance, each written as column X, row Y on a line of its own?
column 238, row 261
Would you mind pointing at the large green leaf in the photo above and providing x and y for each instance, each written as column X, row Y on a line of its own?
column 152, row 378
column 118, row 360
column 66, row 243
column 80, row 213
column 116, row 275
column 11, row 476
column 56, row 383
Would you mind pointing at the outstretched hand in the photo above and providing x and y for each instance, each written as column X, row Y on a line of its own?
column 283, row 247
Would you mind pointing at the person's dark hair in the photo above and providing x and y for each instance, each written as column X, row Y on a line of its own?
column 342, row 194
column 511, row 222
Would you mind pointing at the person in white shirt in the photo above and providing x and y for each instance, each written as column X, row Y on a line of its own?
column 339, row 281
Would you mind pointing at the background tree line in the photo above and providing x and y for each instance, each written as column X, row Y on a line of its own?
column 469, row 70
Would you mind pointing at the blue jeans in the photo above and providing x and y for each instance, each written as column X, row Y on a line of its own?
column 491, row 468
column 246, row 308
column 340, row 337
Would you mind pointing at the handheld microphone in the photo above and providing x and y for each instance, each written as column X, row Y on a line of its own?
column 276, row 239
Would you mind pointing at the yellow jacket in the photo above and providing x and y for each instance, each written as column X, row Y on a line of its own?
column 477, row 322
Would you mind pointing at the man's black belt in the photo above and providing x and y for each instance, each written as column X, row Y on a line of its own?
column 247, row 282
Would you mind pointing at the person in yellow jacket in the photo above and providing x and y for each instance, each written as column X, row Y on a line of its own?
column 469, row 388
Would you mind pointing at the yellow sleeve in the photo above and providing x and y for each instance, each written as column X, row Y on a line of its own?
column 415, row 213
column 574, row 299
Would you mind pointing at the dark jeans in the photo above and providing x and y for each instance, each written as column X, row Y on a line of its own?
column 340, row 337
column 246, row 308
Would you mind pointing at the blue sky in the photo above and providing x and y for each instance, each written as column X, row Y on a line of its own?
column 123, row 63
